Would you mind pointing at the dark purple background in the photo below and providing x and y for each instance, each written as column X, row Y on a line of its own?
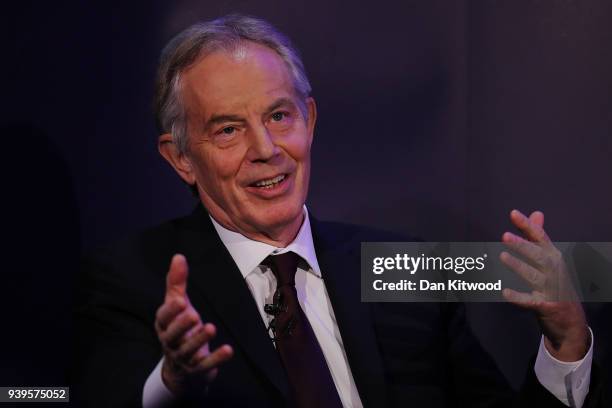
column 435, row 118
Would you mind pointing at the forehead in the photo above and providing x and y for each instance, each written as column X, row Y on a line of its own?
column 246, row 78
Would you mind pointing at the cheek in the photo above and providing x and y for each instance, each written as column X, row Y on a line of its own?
column 298, row 147
column 299, row 151
column 216, row 170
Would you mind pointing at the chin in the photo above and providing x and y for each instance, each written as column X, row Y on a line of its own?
column 278, row 216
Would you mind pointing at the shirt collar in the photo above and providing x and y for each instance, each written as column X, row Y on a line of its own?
column 248, row 254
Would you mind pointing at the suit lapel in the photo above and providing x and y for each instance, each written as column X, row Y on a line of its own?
column 214, row 275
column 340, row 269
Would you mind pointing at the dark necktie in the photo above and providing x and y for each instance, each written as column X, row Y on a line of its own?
column 309, row 377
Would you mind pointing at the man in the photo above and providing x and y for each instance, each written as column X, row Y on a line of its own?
column 260, row 305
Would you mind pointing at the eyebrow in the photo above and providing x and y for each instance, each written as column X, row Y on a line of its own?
column 278, row 103
column 217, row 119
column 223, row 118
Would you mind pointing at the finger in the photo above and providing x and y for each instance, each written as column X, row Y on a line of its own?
column 529, row 250
column 198, row 340
column 535, row 301
column 176, row 280
column 537, row 217
column 173, row 336
column 168, row 311
column 531, row 275
column 216, row 358
column 521, row 299
column 531, row 230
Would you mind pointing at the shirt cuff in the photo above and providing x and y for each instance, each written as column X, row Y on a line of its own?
column 155, row 394
column 568, row 381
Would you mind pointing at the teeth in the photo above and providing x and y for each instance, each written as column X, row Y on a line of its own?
column 271, row 182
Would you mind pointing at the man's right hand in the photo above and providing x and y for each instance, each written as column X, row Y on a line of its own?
column 184, row 338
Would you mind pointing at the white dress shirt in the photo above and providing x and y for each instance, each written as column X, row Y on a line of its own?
column 569, row 382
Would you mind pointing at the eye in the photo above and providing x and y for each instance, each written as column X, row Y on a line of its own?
column 278, row 116
column 228, row 130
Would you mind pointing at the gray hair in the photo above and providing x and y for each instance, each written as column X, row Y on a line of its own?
column 225, row 33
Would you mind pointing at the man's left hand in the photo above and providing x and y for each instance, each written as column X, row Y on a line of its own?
column 553, row 298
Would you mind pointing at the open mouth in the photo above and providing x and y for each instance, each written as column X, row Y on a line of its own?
column 269, row 184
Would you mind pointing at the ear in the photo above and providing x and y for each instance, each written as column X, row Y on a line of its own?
column 312, row 117
column 179, row 161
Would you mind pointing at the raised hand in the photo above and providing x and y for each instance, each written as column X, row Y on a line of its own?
column 184, row 338
column 553, row 298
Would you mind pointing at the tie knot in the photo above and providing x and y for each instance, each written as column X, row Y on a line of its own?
column 283, row 267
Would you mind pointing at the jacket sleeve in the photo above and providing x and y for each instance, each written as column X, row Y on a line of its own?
column 476, row 381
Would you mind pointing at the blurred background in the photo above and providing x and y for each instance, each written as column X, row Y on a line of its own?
column 436, row 118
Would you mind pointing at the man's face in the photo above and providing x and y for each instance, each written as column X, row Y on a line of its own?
column 248, row 143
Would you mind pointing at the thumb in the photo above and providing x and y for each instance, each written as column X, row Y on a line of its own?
column 176, row 280
column 537, row 217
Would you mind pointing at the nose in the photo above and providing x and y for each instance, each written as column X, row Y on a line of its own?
column 262, row 147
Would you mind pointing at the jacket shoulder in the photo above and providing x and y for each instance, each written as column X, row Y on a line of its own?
column 135, row 265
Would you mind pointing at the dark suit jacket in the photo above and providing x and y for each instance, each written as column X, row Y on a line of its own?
column 408, row 355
